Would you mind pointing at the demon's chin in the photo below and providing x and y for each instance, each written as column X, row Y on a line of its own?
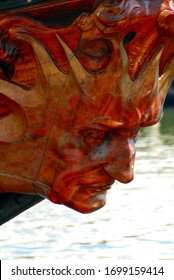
column 84, row 200
column 86, row 206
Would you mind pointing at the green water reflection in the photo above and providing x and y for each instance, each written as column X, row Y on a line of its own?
column 167, row 122
column 163, row 131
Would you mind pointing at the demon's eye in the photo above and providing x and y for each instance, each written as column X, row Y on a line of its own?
column 95, row 137
column 94, row 55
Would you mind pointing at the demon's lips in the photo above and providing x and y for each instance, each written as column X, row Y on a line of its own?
column 98, row 188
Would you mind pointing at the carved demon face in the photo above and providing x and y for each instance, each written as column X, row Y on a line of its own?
column 72, row 132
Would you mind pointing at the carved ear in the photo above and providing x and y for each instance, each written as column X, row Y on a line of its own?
column 46, row 70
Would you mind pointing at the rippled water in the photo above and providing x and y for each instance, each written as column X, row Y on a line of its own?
column 136, row 224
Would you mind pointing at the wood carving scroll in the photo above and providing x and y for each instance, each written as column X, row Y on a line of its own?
column 73, row 98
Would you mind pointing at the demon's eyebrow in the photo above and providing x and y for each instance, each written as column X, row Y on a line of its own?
column 102, row 124
column 110, row 123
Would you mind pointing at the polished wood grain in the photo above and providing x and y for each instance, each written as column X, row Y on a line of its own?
column 78, row 80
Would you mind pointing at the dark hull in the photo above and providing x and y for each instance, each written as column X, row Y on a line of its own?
column 13, row 204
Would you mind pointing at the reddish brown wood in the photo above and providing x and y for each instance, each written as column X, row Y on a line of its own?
column 74, row 94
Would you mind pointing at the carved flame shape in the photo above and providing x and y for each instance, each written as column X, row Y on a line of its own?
column 14, row 124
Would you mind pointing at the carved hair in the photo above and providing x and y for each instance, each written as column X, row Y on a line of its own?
column 112, row 16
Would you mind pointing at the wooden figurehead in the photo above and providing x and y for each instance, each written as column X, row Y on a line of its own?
column 78, row 80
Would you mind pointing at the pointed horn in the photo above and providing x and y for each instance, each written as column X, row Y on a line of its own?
column 46, row 70
column 148, row 82
column 87, row 82
column 83, row 78
column 126, row 83
column 152, row 69
column 74, row 63
column 140, row 85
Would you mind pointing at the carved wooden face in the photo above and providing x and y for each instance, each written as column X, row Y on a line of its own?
column 99, row 129
column 69, row 136
column 94, row 152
